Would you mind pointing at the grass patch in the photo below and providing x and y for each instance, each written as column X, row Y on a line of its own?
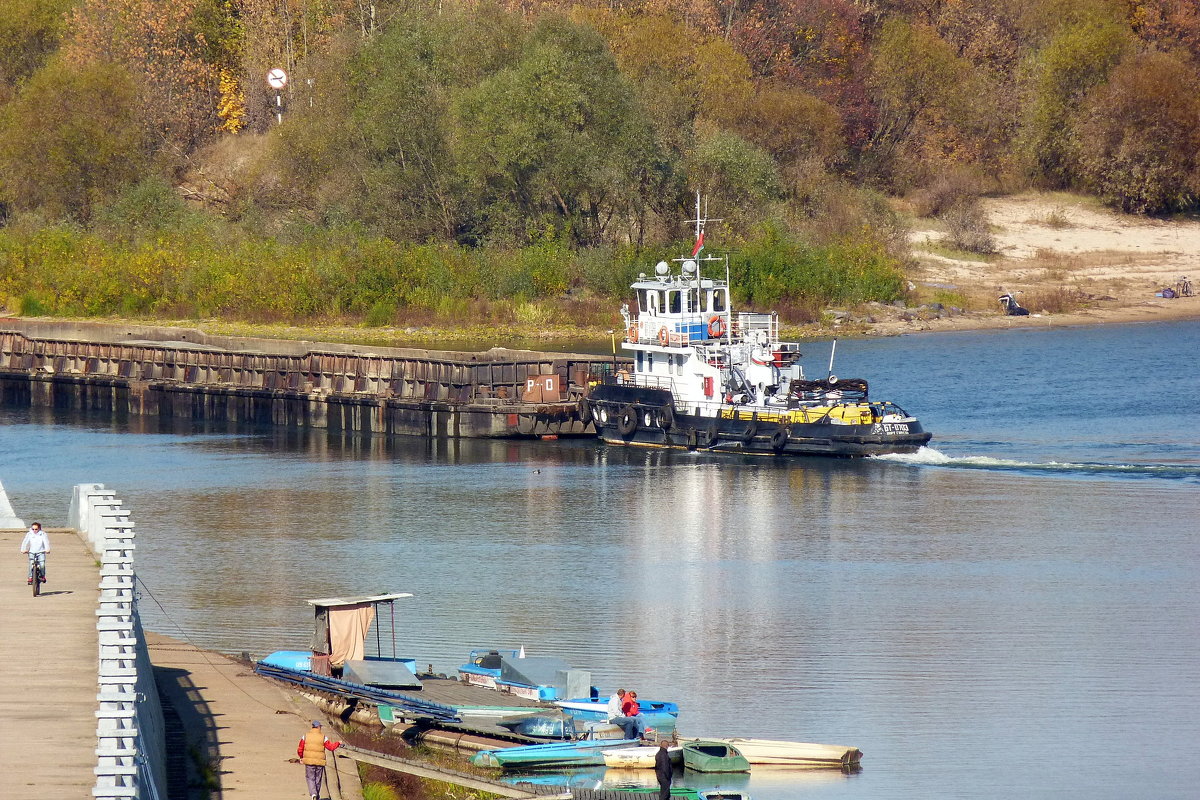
column 940, row 248
column 1062, row 300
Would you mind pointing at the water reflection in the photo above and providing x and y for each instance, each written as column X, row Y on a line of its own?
column 950, row 622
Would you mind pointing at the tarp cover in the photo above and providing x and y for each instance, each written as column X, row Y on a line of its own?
column 534, row 671
column 348, row 626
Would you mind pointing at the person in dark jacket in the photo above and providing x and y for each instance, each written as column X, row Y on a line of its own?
column 663, row 771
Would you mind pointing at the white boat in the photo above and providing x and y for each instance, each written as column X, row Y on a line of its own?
column 639, row 757
column 791, row 754
column 705, row 378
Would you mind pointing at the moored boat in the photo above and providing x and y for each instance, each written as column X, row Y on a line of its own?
column 799, row 754
column 705, row 378
column 557, row 755
column 705, row 755
column 639, row 757
column 688, row 793
column 658, row 715
column 542, row 678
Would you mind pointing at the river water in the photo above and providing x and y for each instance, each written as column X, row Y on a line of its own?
column 1012, row 612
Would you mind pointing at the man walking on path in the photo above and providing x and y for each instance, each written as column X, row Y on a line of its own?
column 663, row 770
column 312, row 755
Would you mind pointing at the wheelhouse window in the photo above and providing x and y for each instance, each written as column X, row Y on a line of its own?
column 643, row 305
column 674, row 300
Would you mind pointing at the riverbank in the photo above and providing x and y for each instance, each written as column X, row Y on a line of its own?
column 1065, row 257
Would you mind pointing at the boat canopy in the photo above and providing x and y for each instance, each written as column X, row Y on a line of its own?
column 334, row 602
column 342, row 626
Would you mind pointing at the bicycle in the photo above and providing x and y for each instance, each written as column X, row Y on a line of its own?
column 39, row 571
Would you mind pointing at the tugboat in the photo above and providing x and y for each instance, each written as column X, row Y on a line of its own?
column 706, row 378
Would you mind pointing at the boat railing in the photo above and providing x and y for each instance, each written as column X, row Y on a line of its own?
column 749, row 324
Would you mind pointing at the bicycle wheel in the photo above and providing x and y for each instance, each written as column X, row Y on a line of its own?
column 37, row 579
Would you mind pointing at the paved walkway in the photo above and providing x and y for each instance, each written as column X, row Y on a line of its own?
column 232, row 735
column 48, row 665
column 240, row 729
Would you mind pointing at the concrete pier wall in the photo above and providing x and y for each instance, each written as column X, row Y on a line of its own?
column 130, row 747
column 342, row 388
column 8, row 517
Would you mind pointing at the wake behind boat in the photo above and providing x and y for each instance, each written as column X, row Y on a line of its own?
column 705, row 378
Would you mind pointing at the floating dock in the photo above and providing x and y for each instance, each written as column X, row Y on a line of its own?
column 184, row 373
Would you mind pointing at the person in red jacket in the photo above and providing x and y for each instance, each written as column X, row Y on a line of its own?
column 635, row 724
column 312, row 755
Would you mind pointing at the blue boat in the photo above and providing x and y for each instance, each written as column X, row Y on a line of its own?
column 556, row 755
column 659, row 715
column 541, row 726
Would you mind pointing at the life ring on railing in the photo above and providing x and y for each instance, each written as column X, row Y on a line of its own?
column 664, row 336
column 716, row 327
column 633, row 333
column 628, row 422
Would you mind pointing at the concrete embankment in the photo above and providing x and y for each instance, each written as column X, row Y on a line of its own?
column 173, row 372
column 235, row 730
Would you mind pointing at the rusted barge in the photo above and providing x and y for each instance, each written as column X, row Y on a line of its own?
column 184, row 373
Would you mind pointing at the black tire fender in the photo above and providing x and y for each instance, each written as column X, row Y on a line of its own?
column 585, row 410
column 666, row 417
column 751, row 431
column 779, row 440
column 628, row 422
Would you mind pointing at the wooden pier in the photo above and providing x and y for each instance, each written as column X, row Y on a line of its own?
column 48, row 671
column 180, row 372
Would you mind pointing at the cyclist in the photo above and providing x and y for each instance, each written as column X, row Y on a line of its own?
column 36, row 543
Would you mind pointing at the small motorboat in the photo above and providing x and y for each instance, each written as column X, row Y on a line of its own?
column 557, row 755
column 542, row 678
column 791, row 754
column 541, row 726
column 708, row 755
column 639, row 757
column 596, row 708
column 686, row 793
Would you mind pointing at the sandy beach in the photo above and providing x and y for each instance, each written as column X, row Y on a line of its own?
column 1109, row 265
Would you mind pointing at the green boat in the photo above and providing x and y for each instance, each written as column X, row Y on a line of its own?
column 706, row 756
column 686, row 793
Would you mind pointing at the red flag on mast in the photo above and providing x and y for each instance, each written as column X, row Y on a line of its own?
column 699, row 244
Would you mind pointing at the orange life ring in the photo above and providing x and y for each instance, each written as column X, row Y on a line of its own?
column 633, row 333
column 716, row 327
column 664, row 337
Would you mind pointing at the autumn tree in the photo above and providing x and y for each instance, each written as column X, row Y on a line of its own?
column 1167, row 24
column 1138, row 141
column 30, row 32
column 161, row 49
column 929, row 110
column 1076, row 60
column 70, row 138
column 558, row 143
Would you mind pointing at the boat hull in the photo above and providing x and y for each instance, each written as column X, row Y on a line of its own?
column 639, row 757
column 550, row 756
column 713, row 756
column 793, row 754
column 754, row 436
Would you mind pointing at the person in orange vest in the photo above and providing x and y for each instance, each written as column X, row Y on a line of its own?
column 312, row 755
